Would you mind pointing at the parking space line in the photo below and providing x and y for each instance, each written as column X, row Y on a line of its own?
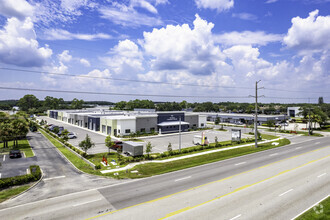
column 321, row 175
column 236, row 217
column 4, row 158
column 0, row 175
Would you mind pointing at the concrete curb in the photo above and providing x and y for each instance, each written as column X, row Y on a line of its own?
column 42, row 176
column 129, row 166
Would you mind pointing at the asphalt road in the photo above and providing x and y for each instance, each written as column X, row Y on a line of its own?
column 60, row 177
column 248, row 186
column 81, row 133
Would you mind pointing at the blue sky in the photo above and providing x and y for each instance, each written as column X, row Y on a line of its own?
column 220, row 47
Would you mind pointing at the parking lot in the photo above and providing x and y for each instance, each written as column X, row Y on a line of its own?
column 15, row 166
column 81, row 133
column 160, row 143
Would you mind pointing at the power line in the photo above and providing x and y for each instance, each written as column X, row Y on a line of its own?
column 151, row 82
column 120, row 94
column 126, row 80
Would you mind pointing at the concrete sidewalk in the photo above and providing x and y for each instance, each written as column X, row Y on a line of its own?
column 132, row 165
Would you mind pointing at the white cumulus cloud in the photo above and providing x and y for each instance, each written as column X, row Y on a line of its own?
column 309, row 34
column 247, row 38
column 16, row 8
column 65, row 56
column 18, row 44
column 85, row 62
column 219, row 5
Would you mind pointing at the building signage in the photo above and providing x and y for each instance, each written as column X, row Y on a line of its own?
column 172, row 118
column 235, row 135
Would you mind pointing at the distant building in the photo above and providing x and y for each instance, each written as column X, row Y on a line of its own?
column 294, row 112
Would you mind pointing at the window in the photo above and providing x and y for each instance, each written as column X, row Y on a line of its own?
column 127, row 131
column 202, row 124
column 143, row 130
column 194, row 125
column 152, row 129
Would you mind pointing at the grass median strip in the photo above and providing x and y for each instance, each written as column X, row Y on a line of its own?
column 8, row 193
column 150, row 169
column 318, row 212
column 74, row 159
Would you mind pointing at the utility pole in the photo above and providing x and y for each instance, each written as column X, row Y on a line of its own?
column 256, row 115
column 180, row 134
column 309, row 121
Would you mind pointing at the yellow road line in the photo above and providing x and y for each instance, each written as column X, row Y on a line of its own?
column 216, row 181
column 239, row 189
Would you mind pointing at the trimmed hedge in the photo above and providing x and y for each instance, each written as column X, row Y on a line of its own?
column 35, row 175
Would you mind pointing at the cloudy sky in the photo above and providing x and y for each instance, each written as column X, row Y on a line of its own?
column 194, row 50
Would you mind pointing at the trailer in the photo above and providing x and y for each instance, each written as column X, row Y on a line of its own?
column 132, row 148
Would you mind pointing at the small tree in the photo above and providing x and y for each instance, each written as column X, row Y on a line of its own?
column 216, row 141
column 108, row 142
column 56, row 130
column 217, row 121
column 86, row 144
column 169, row 148
column 148, row 148
column 120, row 158
column 64, row 135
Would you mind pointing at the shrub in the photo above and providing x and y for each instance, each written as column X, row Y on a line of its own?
column 97, row 167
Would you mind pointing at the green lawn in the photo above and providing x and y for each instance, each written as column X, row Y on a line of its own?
column 8, row 193
column 23, row 145
column 76, row 160
column 150, row 169
column 321, row 212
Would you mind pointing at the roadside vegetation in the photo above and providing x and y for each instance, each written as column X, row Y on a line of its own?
column 150, row 169
column 318, row 212
column 13, row 191
column 304, row 133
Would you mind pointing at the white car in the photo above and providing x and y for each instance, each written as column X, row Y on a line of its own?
column 72, row 135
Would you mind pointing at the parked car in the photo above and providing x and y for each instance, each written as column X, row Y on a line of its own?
column 72, row 135
column 15, row 154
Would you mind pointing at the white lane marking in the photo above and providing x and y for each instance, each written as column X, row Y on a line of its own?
column 56, row 177
column 184, row 178
column 298, row 147
column 317, row 142
column 4, row 158
column 309, row 207
column 240, row 163
column 237, row 216
column 273, row 154
column 285, row 192
column 321, row 175
column 86, row 202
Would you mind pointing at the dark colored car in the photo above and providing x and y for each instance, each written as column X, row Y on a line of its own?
column 118, row 145
column 15, row 154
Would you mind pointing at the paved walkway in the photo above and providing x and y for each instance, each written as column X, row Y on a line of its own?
column 130, row 166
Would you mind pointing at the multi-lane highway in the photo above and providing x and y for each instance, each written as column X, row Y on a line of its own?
column 274, row 184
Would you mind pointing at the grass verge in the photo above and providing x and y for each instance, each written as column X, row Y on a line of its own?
column 318, row 212
column 8, row 193
column 304, row 133
column 150, row 169
column 23, row 145
column 73, row 158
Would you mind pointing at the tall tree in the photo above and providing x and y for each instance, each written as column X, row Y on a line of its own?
column 28, row 102
column 77, row 104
